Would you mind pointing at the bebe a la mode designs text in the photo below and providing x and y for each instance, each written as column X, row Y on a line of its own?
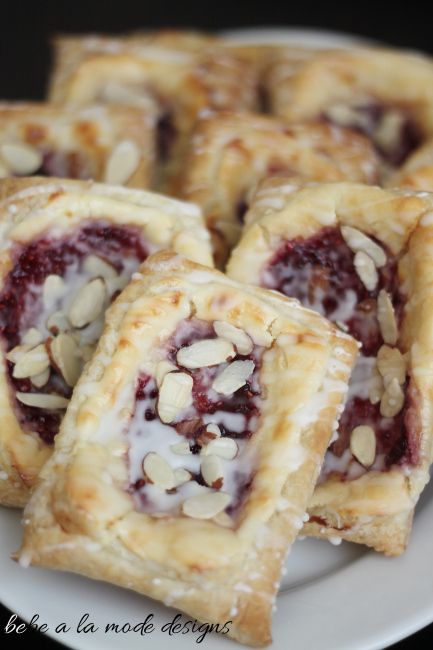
column 177, row 625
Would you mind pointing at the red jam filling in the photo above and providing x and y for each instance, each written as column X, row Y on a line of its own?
column 21, row 300
column 320, row 273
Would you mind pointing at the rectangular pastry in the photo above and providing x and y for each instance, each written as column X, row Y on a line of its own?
column 362, row 257
column 192, row 444
column 229, row 153
column 183, row 72
column 67, row 249
column 111, row 144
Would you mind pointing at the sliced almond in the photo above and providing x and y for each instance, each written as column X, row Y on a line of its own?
column 54, row 288
column 182, row 476
column 389, row 130
column 363, row 445
column 206, row 505
column 40, row 380
column 392, row 400
column 57, row 322
column 43, row 401
column 233, row 377
column 32, row 337
column 18, row 352
column 181, row 448
column 114, row 285
column 208, row 352
column 162, row 368
column 238, row 337
column 376, row 388
column 366, row 270
column 360, row 242
column 86, row 352
column 212, row 471
column 21, row 158
column 99, row 268
column 222, row 447
column 175, row 395
column 214, row 429
column 386, row 318
column 391, row 364
column 158, row 471
column 346, row 115
column 122, row 162
column 65, row 357
column 31, row 363
column 223, row 519
column 87, row 304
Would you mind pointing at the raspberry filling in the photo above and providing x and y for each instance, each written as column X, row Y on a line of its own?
column 205, row 444
column 45, row 350
column 392, row 131
column 320, row 272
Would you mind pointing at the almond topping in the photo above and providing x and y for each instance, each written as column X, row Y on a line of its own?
column 366, row 270
column 116, row 284
column 86, row 352
column 222, row 447
column 43, row 400
column 99, row 268
column 376, row 388
column 392, row 399
column 181, row 476
column 363, row 445
column 54, row 288
column 348, row 116
column 214, row 429
column 122, row 163
column 65, row 357
column 18, row 352
column 162, row 368
column 391, row 364
column 233, row 377
column 238, row 337
column 212, row 471
column 158, row 471
column 175, row 395
column 41, row 379
column 206, row 505
column 360, row 242
column 181, row 448
column 32, row 337
column 21, row 158
column 31, row 363
column 87, row 304
column 57, row 322
column 389, row 129
column 208, row 352
column 386, row 318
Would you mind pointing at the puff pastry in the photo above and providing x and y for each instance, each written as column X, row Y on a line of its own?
column 362, row 256
column 385, row 94
column 67, row 249
column 184, row 72
column 114, row 144
column 417, row 171
column 191, row 445
column 230, row 152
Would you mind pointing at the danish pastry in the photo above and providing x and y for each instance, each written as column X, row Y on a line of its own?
column 417, row 171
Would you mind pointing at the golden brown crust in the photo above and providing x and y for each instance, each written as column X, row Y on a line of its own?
column 375, row 509
column 417, row 171
column 82, row 140
column 30, row 207
column 81, row 519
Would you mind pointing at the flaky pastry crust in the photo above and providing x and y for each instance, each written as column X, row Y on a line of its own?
column 417, row 171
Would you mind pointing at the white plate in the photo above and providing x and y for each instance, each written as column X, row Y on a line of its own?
column 332, row 598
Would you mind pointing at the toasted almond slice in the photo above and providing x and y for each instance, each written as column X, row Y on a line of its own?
column 366, row 270
column 391, row 363
column 386, row 318
column 99, row 268
column 389, row 129
column 87, row 304
column 346, row 115
column 363, row 445
column 376, row 388
column 158, row 471
column 360, row 242
column 392, row 400
column 213, row 428
column 114, row 285
column 64, row 354
column 57, row 322
column 43, row 401
column 212, row 471
column 20, row 158
column 181, row 476
column 238, row 337
column 233, row 377
column 54, row 288
column 206, row 505
column 18, row 352
column 32, row 337
column 31, row 363
column 122, row 162
column 181, row 448
column 162, row 368
column 223, row 519
column 208, row 352
column 175, row 394
column 41, row 379
column 222, row 447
